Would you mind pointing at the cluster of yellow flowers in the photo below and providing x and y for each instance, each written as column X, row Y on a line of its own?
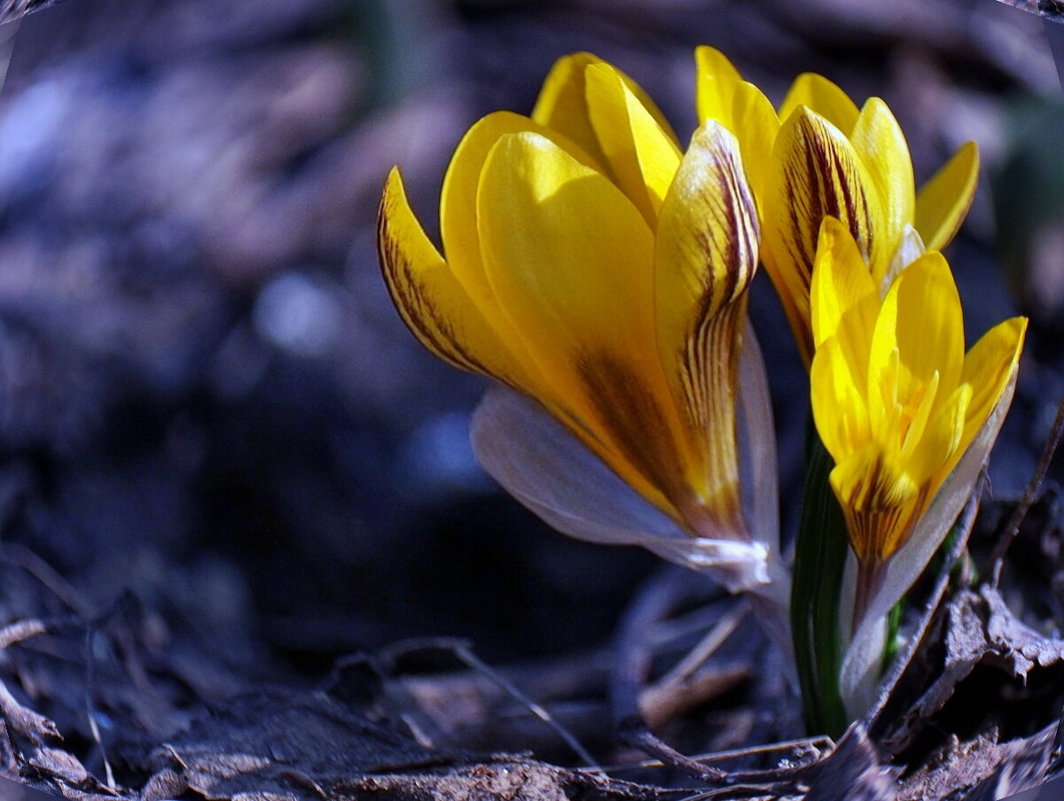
column 598, row 271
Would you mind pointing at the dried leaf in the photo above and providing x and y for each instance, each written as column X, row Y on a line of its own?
column 853, row 772
column 61, row 765
column 262, row 739
column 984, row 770
column 1022, row 766
column 978, row 629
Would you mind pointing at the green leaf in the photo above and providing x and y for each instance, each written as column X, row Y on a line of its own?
column 820, row 560
column 890, row 643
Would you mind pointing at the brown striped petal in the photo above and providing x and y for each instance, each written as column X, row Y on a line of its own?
column 705, row 257
column 815, row 173
column 431, row 302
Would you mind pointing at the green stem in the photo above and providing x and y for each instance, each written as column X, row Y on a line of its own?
column 821, row 549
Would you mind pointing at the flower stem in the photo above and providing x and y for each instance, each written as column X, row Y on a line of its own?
column 820, row 559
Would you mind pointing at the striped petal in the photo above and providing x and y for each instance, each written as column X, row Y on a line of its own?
column 823, row 97
column 815, row 174
column 431, row 302
column 944, row 200
column 707, row 243
column 705, row 258
column 722, row 95
column 879, row 498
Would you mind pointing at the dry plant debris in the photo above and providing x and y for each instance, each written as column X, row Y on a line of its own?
column 87, row 696
column 356, row 736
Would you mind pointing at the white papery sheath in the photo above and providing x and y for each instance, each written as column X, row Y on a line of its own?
column 538, row 461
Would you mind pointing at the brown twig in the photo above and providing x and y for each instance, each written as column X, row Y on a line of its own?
column 726, row 783
column 681, row 688
column 22, row 557
column 21, row 720
column 772, row 783
column 634, row 732
column 1030, row 494
column 1056, row 756
column 8, row 763
column 635, row 643
column 23, row 630
column 462, row 651
column 697, row 656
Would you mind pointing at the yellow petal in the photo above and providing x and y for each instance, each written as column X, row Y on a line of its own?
column 814, row 174
column 945, row 199
column 930, row 326
column 705, row 258
column 924, row 420
column 920, row 332
column 840, row 280
column 756, row 125
column 880, row 144
column 431, row 302
column 716, row 80
column 564, row 249
column 562, row 104
column 839, row 408
column 845, row 303
column 909, row 248
column 941, row 443
column 818, row 94
column 458, row 224
column 721, row 94
column 932, row 521
column 569, row 258
column 641, row 156
column 988, row 368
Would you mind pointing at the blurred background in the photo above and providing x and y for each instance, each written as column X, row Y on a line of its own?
column 206, row 397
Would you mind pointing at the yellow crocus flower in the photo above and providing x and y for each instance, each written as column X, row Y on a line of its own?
column 820, row 156
column 596, row 268
column 907, row 416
